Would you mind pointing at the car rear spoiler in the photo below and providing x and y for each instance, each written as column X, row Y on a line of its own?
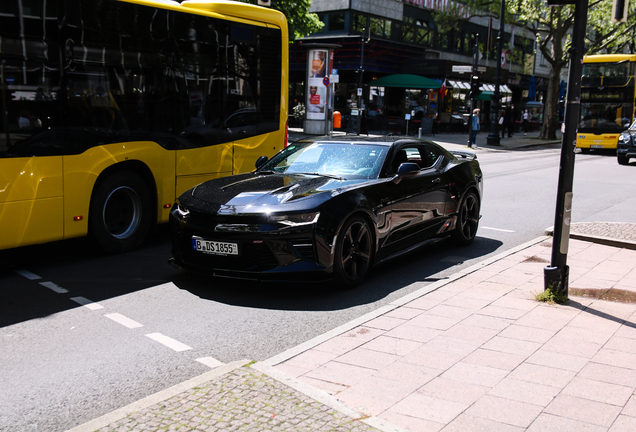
column 461, row 154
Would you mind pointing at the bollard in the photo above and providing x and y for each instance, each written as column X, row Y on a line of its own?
column 337, row 120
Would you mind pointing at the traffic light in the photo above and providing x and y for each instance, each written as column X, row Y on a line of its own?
column 619, row 10
column 474, row 87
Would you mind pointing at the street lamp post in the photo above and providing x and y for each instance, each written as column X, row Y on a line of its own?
column 493, row 135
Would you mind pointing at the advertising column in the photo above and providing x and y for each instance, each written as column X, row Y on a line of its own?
column 317, row 102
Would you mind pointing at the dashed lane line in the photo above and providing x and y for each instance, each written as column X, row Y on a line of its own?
column 169, row 342
column 127, row 322
column 210, row 362
column 28, row 274
column 87, row 303
column 54, row 287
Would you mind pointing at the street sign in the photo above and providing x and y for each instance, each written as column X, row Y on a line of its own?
column 335, row 78
column 619, row 10
column 462, row 69
column 325, row 81
column 503, row 58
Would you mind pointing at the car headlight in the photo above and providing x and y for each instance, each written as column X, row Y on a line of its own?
column 623, row 138
column 179, row 211
column 295, row 219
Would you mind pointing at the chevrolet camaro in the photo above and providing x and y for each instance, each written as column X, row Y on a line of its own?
column 328, row 209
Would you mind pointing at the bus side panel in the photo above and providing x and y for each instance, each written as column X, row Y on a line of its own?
column 247, row 151
column 82, row 171
column 31, row 207
column 196, row 165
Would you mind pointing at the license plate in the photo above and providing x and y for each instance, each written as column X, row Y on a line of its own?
column 596, row 146
column 214, row 247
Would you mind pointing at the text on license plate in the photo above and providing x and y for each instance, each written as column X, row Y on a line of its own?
column 599, row 146
column 214, row 247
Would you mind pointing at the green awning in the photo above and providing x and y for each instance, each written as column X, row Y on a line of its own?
column 484, row 96
column 406, row 81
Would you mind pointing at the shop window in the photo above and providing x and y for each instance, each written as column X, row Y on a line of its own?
column 381, row 27
column 336, row 22
column 407, row 34
column 359, row 23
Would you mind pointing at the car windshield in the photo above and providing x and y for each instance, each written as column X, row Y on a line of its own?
column 329, row 159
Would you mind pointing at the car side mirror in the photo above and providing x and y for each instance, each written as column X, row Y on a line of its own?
column 408, row 168
column 261, row 161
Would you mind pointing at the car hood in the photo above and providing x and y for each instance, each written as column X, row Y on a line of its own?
column 256, row 193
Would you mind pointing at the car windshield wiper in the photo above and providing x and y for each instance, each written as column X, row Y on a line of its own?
column 321, row 175
column 264, row 172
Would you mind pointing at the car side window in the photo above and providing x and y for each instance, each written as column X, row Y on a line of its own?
column 431, row 154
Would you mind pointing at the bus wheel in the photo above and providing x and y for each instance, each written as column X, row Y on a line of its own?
column 120, row 214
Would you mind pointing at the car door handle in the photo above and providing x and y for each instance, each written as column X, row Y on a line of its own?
column 437, row 180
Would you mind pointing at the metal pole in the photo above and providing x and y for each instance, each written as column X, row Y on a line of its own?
column 493, row 135
column 557, row 274
column 472, row 97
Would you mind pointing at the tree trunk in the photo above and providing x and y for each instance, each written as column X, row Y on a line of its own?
column 551, row 112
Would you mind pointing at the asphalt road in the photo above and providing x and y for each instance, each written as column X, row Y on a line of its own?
column 82, row 333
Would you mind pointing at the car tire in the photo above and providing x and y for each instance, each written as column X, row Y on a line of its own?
column 120, row 213
column 354, row 252
column 622, row 160
column 467, row 220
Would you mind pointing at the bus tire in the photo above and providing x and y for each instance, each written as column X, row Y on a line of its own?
column 120, row 213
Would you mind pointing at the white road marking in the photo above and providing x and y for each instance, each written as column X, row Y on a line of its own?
column 497, row 229
column 210, row 362
column 169, row 342
column 50, row 285
column 127, row 322
column 28, row 274
column 87, row 303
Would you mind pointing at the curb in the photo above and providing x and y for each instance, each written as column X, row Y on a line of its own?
column 125, row 411
column 293, row 352
column 607, row 241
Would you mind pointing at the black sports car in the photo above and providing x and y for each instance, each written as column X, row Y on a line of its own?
column 327, row 208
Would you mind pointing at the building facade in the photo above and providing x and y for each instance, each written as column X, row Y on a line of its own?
column 379, row 38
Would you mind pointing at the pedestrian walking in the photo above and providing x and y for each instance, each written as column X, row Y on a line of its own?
column 508, row 122
column 475, row 128
column 526, row 122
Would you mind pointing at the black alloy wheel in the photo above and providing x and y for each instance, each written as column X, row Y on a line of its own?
column 354, row 252
column 120, row 213
column 467, row 220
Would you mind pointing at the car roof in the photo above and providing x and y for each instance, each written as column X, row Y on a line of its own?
column 365, row 141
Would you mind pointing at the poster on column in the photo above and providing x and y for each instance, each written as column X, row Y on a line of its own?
column 316, row 99
column 316, row 92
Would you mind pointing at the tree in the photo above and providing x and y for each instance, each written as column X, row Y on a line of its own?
column 299, row 20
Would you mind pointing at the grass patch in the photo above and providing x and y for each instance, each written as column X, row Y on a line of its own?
column 551, row 297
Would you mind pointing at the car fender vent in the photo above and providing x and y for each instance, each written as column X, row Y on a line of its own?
column 304, row 248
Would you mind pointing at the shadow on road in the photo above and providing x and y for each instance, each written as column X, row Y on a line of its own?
column 76, row 267
column 415, row 268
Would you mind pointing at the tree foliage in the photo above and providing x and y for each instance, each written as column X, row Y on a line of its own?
column 299, row 20
column 552, row 27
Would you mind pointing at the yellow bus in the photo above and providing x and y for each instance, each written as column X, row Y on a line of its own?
column 607, row 100
column 111, row 109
